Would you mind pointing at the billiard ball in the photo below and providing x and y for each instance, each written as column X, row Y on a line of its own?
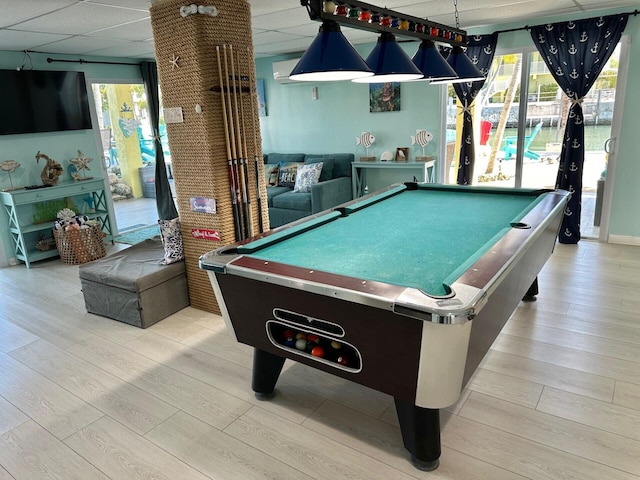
column 288, row 333
column 342, row 360
column 301, row 336
column 290, row 341
column 336, row 345
column 312, row 337
column 301, row 344
column 317, row 351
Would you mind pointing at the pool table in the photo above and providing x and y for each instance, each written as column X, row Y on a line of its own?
column 403, row 290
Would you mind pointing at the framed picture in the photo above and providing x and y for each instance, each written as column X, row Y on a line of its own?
column 402, row 154
column 384, row 97
column 262, row 102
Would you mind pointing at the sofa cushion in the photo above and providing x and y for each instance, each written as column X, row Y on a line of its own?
column 342, row 162
column 273, row 192
column 327, row 166
column 271, row 171
column 307, row 175
column 293, row 201
column 285, row 157
column 287, row 174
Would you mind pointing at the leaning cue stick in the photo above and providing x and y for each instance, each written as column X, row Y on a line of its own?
column 245, row 169
column 255, row 148
column 236, row 212
column 232, row 140
column 238, row 135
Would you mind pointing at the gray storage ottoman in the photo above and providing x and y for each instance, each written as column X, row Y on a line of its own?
column 132, row 286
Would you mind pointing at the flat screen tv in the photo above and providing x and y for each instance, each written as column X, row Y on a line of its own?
column 34, row 101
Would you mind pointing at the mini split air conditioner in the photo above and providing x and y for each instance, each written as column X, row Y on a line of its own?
column 282, row 70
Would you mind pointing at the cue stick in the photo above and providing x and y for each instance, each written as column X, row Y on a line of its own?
column 246, row 191
column 240, row 172
column 236, row 220
column 232, row 137
column 255, row 149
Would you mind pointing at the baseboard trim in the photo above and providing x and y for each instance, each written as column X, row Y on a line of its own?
column 624, row 240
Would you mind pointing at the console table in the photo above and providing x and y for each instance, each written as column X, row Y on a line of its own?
column 28, row 221
column 377, row 175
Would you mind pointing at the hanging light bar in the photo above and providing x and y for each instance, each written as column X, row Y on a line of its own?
column 331, row 57
column 365, row 16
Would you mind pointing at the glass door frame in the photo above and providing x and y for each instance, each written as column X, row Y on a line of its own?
column 616, row 125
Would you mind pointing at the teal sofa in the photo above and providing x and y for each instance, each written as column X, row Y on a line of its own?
column 334, row 187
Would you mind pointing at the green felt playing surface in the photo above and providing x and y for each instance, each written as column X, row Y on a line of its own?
column 422, row 238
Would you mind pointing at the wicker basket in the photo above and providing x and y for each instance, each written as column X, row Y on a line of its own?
column 80, row 246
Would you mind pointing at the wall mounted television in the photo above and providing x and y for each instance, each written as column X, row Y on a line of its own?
column 35, row 101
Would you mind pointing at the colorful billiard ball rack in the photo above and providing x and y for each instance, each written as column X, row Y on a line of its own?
column 314, row 345
column 370, row 17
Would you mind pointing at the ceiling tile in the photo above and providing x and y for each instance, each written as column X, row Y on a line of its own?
column 262, row 7
column 135, row 4
column 82, row 18
column 267, row 38
column 13, row 12
column 77, row 45
column 133, row 49
column 135, row 31
column 17, row 40
column 279, row 20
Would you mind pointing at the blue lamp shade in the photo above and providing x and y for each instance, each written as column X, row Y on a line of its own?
column 389, row 62
column 330, row 57
column 466, row 70
column 432, row 64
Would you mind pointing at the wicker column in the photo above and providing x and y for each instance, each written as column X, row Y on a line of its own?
column 189, row 78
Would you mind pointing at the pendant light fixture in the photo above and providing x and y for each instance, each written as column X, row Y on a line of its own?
column 432, row 64
column 389, row 62
column 330, row 57
column 464, row 68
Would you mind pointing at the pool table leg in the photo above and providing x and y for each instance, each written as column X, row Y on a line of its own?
column 420, row 429
column 266, row 370
column 530, row 296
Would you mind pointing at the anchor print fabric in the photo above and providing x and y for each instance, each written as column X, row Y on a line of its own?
column 480, row 50
column 575, row 53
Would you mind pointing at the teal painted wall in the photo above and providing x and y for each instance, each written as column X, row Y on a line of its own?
column 61, row 146
column 296, row 123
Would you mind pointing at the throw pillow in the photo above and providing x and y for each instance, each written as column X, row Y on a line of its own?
column 327, row 167
column 287, row 175
column 307, row 175
column 171, row 241
column 271, row 174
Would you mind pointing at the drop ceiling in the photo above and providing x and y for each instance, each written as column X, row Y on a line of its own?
column 122, row 28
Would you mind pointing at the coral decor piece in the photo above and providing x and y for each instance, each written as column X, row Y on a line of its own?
column 51, row 171
column 9, row 166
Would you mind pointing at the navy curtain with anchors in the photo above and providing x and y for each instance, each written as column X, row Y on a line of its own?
column 575, row 53
column 164, row 198
column 480, row 50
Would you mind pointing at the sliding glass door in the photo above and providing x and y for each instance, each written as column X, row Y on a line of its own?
column 128, row 152
column 519, row 120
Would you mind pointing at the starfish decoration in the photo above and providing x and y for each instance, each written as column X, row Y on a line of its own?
column 81, row 163
column 174, row 61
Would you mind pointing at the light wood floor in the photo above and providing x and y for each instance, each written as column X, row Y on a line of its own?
column 84, row 397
